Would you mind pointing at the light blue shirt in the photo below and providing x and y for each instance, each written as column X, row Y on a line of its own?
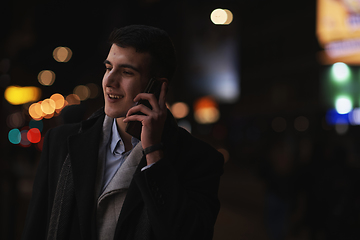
column 115, row 154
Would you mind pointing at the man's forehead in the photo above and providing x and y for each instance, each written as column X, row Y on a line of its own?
column 129, row 52
column 128, row 55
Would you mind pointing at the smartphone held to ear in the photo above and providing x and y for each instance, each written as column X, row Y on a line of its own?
column 154, row 87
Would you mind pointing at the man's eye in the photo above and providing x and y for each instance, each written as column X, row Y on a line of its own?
column 127, row 73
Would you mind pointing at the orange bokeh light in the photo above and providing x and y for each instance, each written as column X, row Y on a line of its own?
column 206, row 110
column 73, row 99
column 35, row 111
column 48, row 106
column 205, row 102
column 59, row 100
column 180, row 110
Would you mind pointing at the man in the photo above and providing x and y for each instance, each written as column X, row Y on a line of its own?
column 95, row 181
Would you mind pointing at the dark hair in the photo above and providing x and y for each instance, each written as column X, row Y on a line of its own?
column 151, row 40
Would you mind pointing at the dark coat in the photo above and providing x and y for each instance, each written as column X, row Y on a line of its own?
column 178, row 194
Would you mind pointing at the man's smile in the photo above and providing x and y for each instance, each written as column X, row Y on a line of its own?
column 112, row 96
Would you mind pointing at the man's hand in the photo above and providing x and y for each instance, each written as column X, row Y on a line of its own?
column 152, row 122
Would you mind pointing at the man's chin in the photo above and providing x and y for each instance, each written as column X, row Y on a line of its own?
column 114, row 114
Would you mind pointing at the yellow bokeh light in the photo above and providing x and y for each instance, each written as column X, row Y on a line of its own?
column 48, row 106
column 46, row 77
column 17, row 95
column 180, row 110
column 62, row 54
column 221, row 16
column 59, row 100
column 82, row 91
column 207, row 115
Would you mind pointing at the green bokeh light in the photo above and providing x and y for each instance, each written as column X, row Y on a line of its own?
column 340, row 72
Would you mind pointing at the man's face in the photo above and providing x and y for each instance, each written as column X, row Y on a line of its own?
column 127, row 73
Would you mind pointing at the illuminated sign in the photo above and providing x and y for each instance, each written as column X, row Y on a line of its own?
column 338, row 30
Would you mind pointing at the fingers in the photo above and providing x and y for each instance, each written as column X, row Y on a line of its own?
column 150, row 97
column 135, row 117
column 155, row 104
column 158, row 106
column 139, row 108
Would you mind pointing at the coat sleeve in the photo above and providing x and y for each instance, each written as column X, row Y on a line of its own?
column 182, row 199
column 37, row 215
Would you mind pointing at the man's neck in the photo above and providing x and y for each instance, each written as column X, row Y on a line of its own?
column 126, row 138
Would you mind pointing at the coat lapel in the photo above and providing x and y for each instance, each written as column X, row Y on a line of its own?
column 122, row 178
column 134, row 201
column 83, row 151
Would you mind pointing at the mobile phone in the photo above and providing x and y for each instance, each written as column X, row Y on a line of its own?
column 134, row 127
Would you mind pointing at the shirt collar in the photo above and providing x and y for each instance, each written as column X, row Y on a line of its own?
column 116, row 141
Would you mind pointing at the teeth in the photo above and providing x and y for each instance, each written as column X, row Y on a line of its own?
column 114, row 96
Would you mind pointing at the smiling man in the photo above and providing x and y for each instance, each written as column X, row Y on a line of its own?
column 96, row 181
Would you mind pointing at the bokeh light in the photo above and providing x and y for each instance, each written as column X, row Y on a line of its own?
column 82, row 91
column 221, row 16
column 301, row 123
column 48, row 106
column 341, row 129
column 206, row 110
column 73, row 99
column 14, row 136
column 229, row 17
column 46, row 77
column 39, row 145
column 48, row 116
column 94, row 90
column 35, row 111
column 62, row 54
column 36, row 124
column 34, row 135
column 343, row 105
column 340, row 72
column 24, row 142
column 354, row 116
column 59, row 100
column 17, row 95
column 180, row 110
column 15, row 120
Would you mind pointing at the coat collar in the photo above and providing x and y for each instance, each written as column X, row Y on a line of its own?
column 84, row 151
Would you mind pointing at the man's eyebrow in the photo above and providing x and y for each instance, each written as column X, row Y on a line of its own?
column 107, row 62
column 123, row 65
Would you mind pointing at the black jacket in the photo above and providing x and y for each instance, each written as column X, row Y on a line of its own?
column 178, row 194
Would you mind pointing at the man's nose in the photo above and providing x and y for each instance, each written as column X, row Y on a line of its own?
column 112, row 80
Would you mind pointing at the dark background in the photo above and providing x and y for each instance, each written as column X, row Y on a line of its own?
column 276, row 185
